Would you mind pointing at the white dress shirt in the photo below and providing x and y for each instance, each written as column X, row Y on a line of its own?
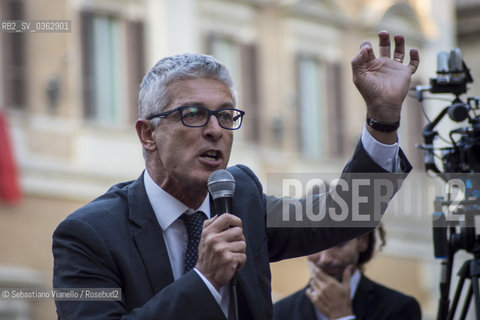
column 385, row 155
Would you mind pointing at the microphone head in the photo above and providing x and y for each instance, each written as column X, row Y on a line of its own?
column 221, row 184
column 456, row 62
column 443, row 67
column 456, row 65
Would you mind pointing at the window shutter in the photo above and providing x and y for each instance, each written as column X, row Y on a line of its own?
column 14, row 58
column 250, row 91
column 86, row 53
column 335, row 110
column 136, row 65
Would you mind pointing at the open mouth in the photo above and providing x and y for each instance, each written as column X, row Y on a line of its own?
column 211, row 155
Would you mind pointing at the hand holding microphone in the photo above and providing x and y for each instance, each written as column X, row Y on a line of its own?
column 222, row 247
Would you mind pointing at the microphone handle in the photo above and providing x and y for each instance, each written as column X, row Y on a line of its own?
column 223, row 205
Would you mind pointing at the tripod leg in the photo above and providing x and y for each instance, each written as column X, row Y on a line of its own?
column 446, row 278
column 444, row 302
column 462, row 273
column 466, row 303
column 475, row 272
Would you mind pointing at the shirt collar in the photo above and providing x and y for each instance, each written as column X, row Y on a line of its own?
column 167, row 208
column 354, row 280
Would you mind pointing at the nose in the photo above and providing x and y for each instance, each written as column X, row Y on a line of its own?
column 212, row 129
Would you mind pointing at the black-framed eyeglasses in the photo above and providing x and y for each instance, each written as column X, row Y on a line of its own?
column 198, row 116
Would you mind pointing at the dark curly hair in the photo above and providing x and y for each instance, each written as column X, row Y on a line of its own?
column 372, row 240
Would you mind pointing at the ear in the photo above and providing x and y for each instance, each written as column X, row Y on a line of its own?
column 363, row 242
column 145, row 134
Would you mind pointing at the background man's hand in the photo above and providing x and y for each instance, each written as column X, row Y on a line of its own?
column 328, row 295
column 221, row 251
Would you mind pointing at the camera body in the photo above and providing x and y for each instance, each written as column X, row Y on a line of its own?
column 464, row 154
column 460, row 162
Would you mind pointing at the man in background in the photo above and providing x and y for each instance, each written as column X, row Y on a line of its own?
column 338, row 289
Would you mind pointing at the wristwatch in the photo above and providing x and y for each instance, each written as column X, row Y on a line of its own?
column 383, row 126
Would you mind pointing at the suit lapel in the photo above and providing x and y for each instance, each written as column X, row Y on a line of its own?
column 148, row 237
column 307, row 309
column 150, row 244
column 247, row 282
column 363, row 298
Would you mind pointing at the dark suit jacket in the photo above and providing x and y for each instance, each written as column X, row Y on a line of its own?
column 372, row 301
column 116, row 242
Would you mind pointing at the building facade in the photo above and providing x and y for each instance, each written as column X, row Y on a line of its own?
column 70, row 102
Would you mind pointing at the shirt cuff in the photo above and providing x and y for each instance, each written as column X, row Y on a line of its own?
column 216, row 295
column 352, row 317
column 385, row 155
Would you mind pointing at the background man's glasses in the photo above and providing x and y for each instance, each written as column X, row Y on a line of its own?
column 197, row 116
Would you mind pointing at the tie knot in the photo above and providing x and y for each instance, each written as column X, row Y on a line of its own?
column 193, row 221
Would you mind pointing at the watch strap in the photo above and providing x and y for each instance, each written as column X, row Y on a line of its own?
column 382, row 125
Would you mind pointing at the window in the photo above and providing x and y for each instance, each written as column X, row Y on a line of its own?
column 13, row 85
column 320, row 107
column 241, row 59
column 112, row 66
column 312, row 114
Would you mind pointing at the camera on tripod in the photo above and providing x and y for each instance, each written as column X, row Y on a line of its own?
column 460, row 165
column 464, row 154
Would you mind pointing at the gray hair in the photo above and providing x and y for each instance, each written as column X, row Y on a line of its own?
column 153, row 96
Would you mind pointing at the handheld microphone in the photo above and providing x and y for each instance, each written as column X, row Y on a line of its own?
column 221, row 186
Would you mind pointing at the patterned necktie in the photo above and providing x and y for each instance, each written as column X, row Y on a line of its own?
column 194, row 224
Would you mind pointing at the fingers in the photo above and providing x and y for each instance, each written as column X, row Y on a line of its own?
column 224, row 229
column 365, row 55
column 222, row 222
column 414, row 60
column 313, row 295
column 384, row 44
column 399, row 52
column 222, row 249
column 318, row 273
column 208, row 222
column 310, row 293
column 365, row 45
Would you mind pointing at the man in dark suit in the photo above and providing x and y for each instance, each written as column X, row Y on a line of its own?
column 338, row 288
column 143, row 236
